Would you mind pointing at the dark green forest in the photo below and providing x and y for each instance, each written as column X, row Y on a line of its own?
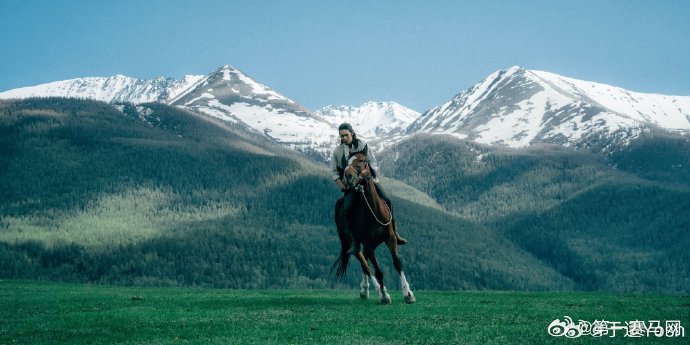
column 158, row 196
column 601, row 226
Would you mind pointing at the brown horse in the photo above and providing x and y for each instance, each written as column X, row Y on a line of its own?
column 372, row 223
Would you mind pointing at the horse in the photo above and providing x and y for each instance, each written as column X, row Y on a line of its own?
column 371, row 222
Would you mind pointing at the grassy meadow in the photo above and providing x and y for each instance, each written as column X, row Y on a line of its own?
column 59, row 313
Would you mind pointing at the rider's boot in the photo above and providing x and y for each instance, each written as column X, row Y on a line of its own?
column 398, row 238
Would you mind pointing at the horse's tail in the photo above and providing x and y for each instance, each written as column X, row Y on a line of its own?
column 340, row 265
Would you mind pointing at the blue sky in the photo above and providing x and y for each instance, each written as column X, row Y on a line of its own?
column 318, row 53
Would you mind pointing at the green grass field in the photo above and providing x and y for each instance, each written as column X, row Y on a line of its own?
column 58, row 313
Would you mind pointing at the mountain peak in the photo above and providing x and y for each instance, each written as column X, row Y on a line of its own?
column 226, row 69
column 515, row 70
column 233, row 97
column 510, row 72
column 232, row 85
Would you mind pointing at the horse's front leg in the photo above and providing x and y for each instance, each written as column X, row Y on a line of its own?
column 364, row 287
column 384, row 297
column 366, row 273
column 405, row 287
column 397, row 263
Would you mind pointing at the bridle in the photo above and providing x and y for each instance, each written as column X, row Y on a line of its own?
column 358, row 172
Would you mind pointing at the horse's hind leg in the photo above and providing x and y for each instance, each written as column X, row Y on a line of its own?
column 384, row 297
column 397, row 263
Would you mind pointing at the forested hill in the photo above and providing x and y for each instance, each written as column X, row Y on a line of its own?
column 615, row 223
column 155, row 195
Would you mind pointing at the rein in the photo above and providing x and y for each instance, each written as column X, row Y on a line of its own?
column 360, row 188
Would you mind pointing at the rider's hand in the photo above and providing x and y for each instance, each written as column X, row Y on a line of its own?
column 341, row 185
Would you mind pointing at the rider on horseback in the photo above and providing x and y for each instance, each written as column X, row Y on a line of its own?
column 349, row 143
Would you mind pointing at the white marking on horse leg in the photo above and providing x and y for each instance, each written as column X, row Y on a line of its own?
column 365, row 281
column 376, row 285
column 385, row 297
column 364, row 287
column 404, row 286
column 375, row 282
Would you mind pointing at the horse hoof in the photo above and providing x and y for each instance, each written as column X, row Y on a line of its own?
column 364, row 294
column 409, row 299
column 386, row 300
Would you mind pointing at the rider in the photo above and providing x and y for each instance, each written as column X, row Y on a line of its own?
column 349, row 143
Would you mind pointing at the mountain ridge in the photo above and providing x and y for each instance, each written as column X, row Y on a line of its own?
column 514, row 107
column 518, row 107
column 113, row 89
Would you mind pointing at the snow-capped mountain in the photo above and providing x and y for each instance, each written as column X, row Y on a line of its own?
column 226, row 93
column 518, row 107
column 371, row 120
column 113, row 89
column 514, row 107
column 232, row 96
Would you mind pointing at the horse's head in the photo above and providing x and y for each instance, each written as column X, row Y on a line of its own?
column 357, row 169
